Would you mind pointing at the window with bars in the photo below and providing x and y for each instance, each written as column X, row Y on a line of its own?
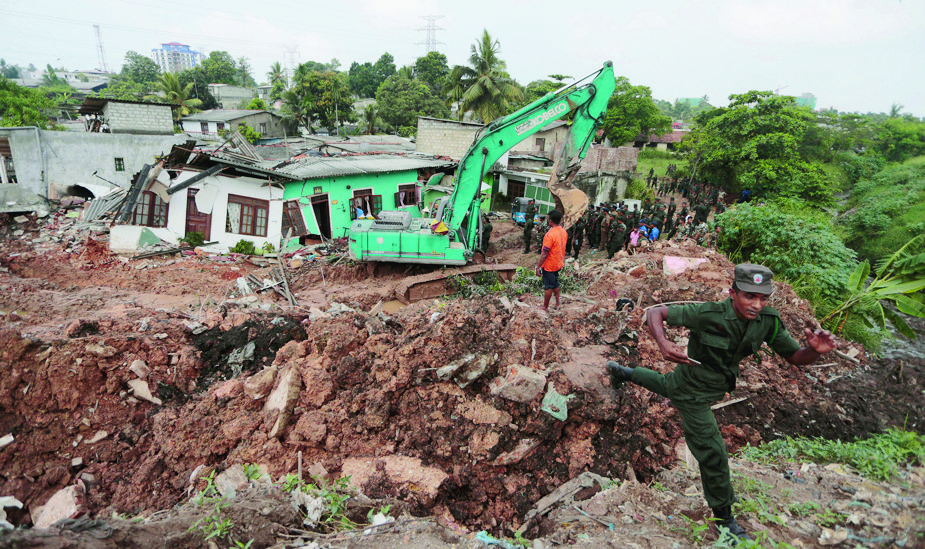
column 292, row 219
column 406, row 196
column 120, row 164
column 149, row 211
column 247, row 215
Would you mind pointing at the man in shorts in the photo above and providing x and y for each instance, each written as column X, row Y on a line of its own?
column 552, row 257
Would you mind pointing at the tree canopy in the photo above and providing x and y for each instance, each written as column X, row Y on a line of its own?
column 220, row 68
column 315, row 96
column 754, row 144
column 432, row 69
column 139, row 69
column 631, row 112
column 21, row 106
column 401, row 100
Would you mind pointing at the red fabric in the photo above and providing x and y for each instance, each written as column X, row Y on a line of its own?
column 554, row 241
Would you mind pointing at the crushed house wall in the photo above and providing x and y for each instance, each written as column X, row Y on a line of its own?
column 48, row 162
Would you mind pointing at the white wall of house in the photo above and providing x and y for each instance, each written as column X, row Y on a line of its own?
column 219, row 188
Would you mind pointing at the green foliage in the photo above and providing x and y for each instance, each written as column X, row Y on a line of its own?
column 899, row 139
column 193, row 238
column 858, row 167
column 252, row 471
column 799, row 249
column 268, row 247
column 887, row 210
column 362, row 79
column 432, row 69
column 8, row 71
column 483, row 88
column 402, row 100
column 631, row 112
column 315, row 96
column 277, row 78
column 900, row 280
column 219, row 68
column 803, row 509
column 257, row 104
column 755, row 144
column 248, row 133
column 200, row 81
column 140, row 69
column 694, row 530
column 245, row 247
column 878, row 457
column 21, row 106
column 213, row 525
column 177, row 95
column 638, row 189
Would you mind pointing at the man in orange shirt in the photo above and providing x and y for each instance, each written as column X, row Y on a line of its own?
column 552, row 257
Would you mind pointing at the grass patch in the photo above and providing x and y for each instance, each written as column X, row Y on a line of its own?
column 879, row 457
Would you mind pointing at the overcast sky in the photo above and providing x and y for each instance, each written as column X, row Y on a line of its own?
column 854, row 55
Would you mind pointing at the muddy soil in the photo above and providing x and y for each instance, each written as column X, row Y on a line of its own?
column 131, row 379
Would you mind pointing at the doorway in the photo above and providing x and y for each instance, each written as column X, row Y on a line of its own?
column 322, row 210
column 197, row 221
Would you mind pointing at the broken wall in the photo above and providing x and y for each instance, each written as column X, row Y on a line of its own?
column 48, row 162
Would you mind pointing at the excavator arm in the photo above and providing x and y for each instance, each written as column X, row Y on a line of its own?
column 588, row 101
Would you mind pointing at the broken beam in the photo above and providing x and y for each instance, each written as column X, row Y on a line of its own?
column 198, row 177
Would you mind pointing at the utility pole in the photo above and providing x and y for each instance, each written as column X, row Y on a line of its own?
column 99, row 48
column 430, row 42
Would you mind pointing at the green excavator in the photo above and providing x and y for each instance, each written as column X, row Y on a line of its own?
column 451, row 236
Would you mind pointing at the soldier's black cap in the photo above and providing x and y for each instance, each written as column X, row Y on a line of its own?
column 753, row 278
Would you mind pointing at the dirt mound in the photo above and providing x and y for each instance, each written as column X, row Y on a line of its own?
column 471, row 410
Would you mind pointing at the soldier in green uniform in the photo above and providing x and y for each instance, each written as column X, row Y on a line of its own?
column 683, row 213
column 595, row 235
column 721, row 335
column 701, row 213
column 528, row 224
column 540, row 233
column 578, row 236
column 669, row 215
column 617, row 230
column 605, row 229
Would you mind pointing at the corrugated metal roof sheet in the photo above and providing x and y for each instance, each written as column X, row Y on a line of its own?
column 314, row 167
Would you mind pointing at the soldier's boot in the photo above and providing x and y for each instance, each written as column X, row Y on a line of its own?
column 618, row 374
column 725, row 519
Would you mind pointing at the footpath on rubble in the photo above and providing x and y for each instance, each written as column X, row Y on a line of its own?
column 160, row 399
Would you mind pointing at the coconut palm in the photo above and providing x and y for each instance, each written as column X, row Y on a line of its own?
column 483, row 88
column 170, row 89
column 277, row 74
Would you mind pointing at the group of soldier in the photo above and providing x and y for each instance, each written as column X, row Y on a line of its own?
column 610, row 227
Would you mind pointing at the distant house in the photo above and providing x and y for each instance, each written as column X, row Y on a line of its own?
column 214, row 123
column 229, row 97
column 102, row 115
column 323, row 197
column 664, row 142
column 544, row 143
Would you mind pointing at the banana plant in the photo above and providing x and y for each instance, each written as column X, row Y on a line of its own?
column 900, row 280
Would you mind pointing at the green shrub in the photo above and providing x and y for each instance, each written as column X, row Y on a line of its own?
column 651, row 154
column 194, row 238
column 245, row 247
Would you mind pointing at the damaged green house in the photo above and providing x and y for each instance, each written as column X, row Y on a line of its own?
column 328, row 192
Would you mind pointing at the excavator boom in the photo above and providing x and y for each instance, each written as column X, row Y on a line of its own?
column 397, row 237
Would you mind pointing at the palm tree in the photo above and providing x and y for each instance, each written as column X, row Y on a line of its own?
column 483, row 88
column 277, row 74
column 177, row 95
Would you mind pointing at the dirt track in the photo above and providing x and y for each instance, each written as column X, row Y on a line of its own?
column 81, row 326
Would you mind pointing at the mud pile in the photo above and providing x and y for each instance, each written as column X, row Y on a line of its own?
column 471, row 410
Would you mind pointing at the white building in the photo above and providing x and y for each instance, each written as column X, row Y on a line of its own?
column 175, row 57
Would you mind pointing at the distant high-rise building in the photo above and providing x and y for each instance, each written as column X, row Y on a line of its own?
column 806, row 100
column 175, row 57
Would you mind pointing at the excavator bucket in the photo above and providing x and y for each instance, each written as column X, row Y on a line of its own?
column 570, row 200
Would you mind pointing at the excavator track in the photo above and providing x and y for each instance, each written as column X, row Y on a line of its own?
column 435, row 284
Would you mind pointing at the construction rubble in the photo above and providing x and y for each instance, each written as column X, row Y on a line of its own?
column 127, row 382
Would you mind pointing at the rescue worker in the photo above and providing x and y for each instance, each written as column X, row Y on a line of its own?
column 721, row 335
column 528, row 224
column 605, row 229
column 617, row 230
column 486, row 232
column 578, row 236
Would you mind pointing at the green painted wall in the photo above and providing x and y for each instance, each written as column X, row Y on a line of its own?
column 385, row 184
